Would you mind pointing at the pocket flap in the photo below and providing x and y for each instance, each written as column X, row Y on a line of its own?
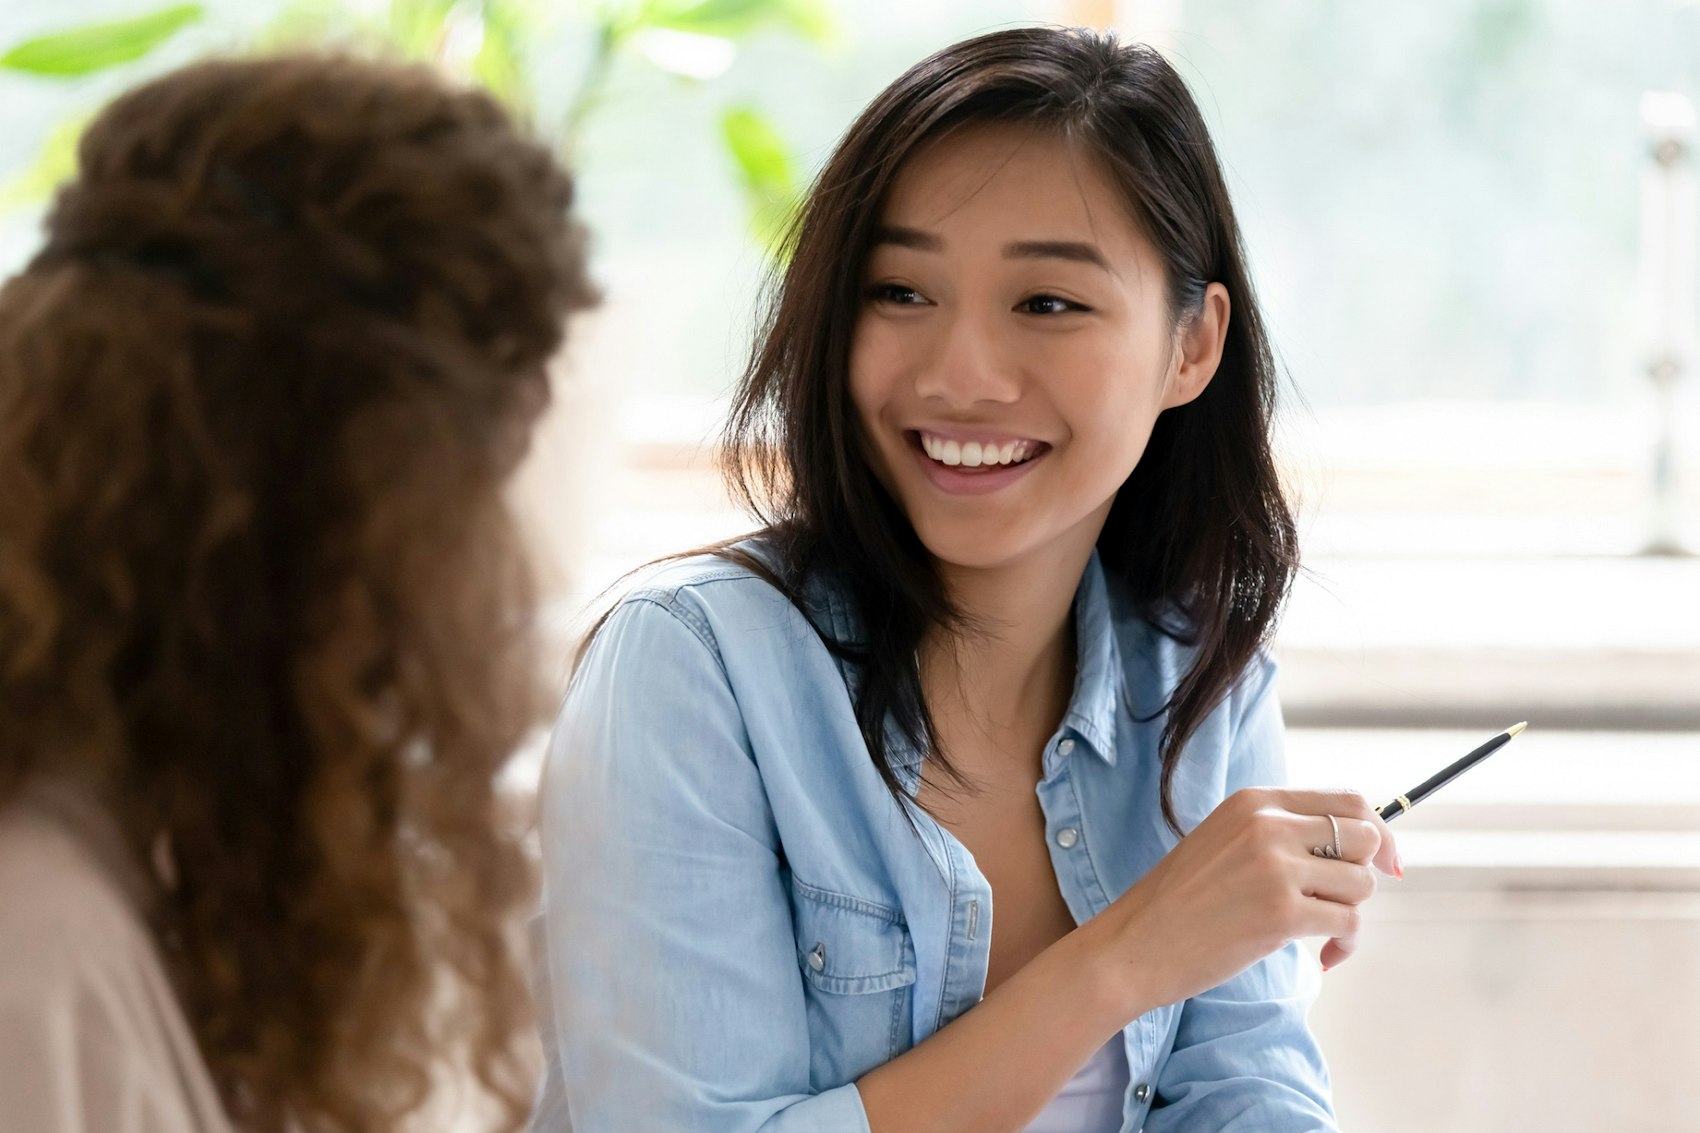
column 849, row 946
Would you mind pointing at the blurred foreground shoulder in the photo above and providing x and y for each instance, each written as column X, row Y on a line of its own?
column 91, row 1035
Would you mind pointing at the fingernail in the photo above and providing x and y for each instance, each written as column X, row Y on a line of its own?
column 1325, row 967
column 1398, row 866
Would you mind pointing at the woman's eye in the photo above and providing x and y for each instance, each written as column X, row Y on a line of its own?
column 1048, row 305
column 896, row 293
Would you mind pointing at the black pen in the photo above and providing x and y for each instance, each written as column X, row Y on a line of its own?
column 1439, row 779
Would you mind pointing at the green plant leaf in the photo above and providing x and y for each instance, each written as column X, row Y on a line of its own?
column 416, row 27
column 710, row 17
column 764, row 164
column 733, row 19
column 54, row 164
column 500, row 63
column 811, row 19
column 766, row 172
column 96, row 47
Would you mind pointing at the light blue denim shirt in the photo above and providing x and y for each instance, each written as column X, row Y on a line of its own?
column 740, row 921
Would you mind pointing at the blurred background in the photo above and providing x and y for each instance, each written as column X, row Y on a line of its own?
column 1473, row 224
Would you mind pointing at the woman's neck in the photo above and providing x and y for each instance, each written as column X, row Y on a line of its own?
column 1012, row 670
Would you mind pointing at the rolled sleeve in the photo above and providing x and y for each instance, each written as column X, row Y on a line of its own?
column 677, row 998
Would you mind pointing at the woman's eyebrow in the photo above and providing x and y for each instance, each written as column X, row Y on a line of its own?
column 1072, row 250
column 907, row 238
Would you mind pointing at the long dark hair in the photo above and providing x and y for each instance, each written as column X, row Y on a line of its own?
column 1200, row 534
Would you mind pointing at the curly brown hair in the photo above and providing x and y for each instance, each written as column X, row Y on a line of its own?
column 259, row 396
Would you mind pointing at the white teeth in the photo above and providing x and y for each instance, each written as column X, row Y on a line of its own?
column 975, row 454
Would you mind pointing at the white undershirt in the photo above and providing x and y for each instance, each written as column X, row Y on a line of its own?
column 1091, row 1102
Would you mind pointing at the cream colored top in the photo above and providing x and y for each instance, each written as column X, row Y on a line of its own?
column 92, row 1039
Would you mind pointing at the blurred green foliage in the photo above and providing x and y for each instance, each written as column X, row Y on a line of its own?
column 767, row 172
column 488, row 42
column 97, row 47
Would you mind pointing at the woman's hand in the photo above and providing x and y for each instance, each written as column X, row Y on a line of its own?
column 1239, row 886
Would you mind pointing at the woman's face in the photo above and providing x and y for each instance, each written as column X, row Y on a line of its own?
column 1015, row 346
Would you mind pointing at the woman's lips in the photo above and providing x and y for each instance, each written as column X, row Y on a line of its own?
column 965, row 480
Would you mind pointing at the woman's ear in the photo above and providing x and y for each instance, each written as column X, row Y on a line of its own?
column 1200, row 348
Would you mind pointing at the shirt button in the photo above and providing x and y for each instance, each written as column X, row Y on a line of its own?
column 1067, row 837
column 817, row 956
column 1065, row 747
column 1141, row 1092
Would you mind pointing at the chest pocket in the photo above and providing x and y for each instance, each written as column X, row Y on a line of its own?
column 858, row 967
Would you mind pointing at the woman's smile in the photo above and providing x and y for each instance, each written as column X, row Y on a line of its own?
column 973, row 463
column 977, row 452
column 1014, row 347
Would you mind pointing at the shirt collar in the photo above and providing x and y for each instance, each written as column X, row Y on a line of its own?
column 1096, row 701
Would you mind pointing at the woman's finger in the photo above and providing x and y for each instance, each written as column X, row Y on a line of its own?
column 1384, row 854
column 1387, row 855
column 1359, row 840
column 1344, row 883
column 1345, row 933
column 1336, row 952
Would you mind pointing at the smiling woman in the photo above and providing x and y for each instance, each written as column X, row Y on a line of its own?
column 1057, row 343
column 874, row 820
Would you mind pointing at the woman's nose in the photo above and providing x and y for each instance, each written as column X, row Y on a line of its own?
column 967, row 366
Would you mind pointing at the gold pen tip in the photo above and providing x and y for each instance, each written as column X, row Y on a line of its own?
column 1517, row 727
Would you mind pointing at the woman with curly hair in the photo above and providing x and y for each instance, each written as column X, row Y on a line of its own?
column 264, row 621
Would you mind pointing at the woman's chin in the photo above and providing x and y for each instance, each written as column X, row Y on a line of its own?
column 1011, row 538
column 977, row 546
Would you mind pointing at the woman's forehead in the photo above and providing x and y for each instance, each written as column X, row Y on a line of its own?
column 1010, row 181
